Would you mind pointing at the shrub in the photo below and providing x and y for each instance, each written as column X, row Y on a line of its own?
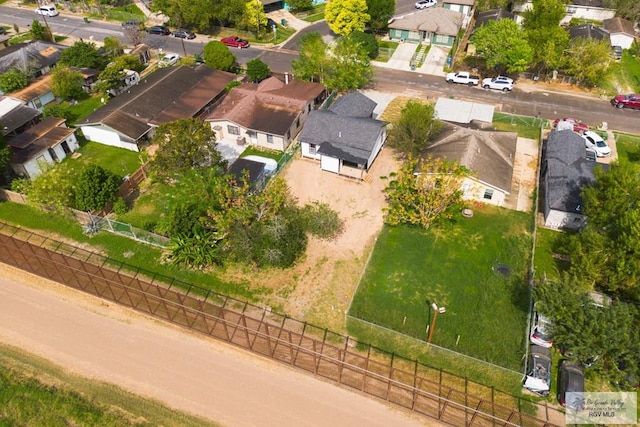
column 322, row 221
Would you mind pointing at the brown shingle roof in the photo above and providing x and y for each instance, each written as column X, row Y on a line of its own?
column 35, row 132
column 619, row 25
column 436, row 20
column 37, row 88
column 48, row 133
column 168, row 94
column 270, row 106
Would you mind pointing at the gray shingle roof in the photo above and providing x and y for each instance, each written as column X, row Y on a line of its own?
column 354, row 104
column 492, row 15
column 489, row 155
column 17, row 117
column 588, row 31
column 566, row 170
column 347, row 138
column 24, row 55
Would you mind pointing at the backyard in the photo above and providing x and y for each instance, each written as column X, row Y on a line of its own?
column 474, row 267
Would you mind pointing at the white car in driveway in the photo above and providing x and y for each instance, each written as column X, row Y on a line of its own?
column 47, row 11
column 423, row 4
column 502, row 83
column 595, row 142
column 168, row 60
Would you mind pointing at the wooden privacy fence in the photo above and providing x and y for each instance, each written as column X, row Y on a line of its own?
column 244, row 325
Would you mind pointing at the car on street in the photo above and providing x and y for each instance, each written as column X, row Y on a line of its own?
column 131, row 24
column 538, row 378
column 540, row 331
column 159, row 29
column 502, row 83
column 423, row 4
column 570, row 380
column 183, row 34
column 168, row 60
column 47, row 11
column 235, row 41
column 570, row 123
column 631, row 100
column 595, row 142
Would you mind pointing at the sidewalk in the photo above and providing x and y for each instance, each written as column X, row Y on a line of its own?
column 292, row 21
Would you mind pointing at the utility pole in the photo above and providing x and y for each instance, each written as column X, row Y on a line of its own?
column 432, row 328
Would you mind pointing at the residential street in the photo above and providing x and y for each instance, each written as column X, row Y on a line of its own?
column 101, row 340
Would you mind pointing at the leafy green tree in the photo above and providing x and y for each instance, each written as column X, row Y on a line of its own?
column 380, row 11
column 503, row 44
column 588, row 60
column 350, row 67
column 254, row 16
column 112, row 77
column 298, row 5
column 544, row 33
column 40, row 32
column 198, row 250
column 257, row 70
column 13, row 80
column 313, row 62
column 53, row 188
column 629, row 9
column 184, row 144
column 218, row 56
column 183, row 220
column 83, row 54
column 346, row 16
column 423, row 193
column 95, row 188
column 415, row 127
column 5, row 155
column 605, row 254
column 59, row 110
column 66, row 83
column 113, row 46
column 368, row 42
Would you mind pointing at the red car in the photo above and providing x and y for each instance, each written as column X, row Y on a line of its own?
column 626, row 101
column 578, row 126
column 235, row 41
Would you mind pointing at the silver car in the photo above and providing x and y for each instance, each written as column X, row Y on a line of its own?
column 423, row 4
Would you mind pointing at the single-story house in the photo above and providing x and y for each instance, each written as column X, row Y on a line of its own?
column 345, row 138
column 254, row 172
column 268, row 114
column 164, row 96
column 15, row 116
column 463, row 6
column 588, row 31
column 143, row 51
column 621, row 32
column 38, row 94
column 47, row 142
column 37, row 56
column 565, row 170
column 435, row 25
column 89, row 77
column 488, row 155
column 592, row 10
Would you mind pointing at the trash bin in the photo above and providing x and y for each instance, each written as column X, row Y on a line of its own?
column 86, row 20
column 413, row 67
column 283, row 22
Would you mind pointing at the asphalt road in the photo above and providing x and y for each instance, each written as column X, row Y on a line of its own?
column 529, row 101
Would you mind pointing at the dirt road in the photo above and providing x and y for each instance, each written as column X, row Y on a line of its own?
column 97, row 339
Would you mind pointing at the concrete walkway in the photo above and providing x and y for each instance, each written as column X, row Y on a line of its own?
column 292, row 21
column 401, row 59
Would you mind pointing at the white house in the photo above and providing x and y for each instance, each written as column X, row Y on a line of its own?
column 592, row 10
column 621, row 32
column 345, row 138
column 463, row 6
column 45, row 143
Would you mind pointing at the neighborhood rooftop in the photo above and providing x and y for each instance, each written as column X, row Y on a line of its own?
column 443, row 21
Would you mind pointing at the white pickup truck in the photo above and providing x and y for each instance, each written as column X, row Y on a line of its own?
column 464, row 78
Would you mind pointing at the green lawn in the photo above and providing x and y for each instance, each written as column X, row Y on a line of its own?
column 117, row 160
column 546, row 264
column 623, row 73
column 628, row 147
column 526, row 127
column 254, row 151
column 452, row 266
column 85, row 107
column 125, row 13
column 313, row 15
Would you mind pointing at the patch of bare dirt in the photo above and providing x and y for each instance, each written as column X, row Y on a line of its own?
column 319, row 288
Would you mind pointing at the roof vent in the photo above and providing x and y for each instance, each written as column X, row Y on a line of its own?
column 339, row 134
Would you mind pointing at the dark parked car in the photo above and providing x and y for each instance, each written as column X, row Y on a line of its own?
column 2, row 31
column 184, row 34
column 159, row 29
column 132, row 24
column 631, row 100
column 538, row 378
column 235, row 41
column 570, row 380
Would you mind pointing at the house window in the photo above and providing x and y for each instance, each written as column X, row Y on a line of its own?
column 37, row 102
column 313, row 149
column 488, row 194
column 270, row 139
column 309, row 107
column 233, row 130
column 441, row 39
